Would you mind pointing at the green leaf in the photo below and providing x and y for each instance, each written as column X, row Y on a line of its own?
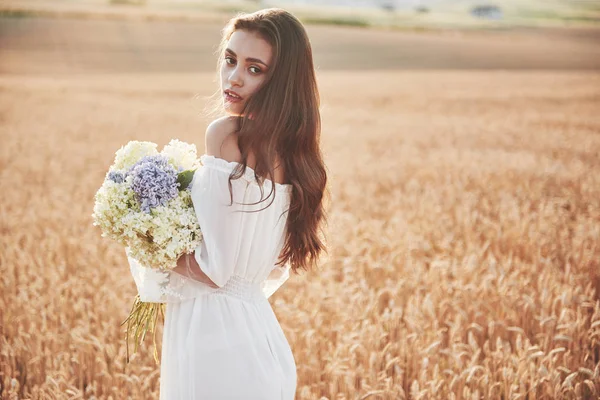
column 184, row 178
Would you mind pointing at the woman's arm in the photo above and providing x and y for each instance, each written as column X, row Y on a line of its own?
column 188, row 266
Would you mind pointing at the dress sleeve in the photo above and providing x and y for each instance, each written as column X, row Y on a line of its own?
column 156, row 286
column 148, row 282
column 219, row 221
column 276, row 278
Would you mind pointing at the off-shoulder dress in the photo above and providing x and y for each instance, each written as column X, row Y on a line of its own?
column 226, row 342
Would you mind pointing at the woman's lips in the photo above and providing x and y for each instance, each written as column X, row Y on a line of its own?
column 231, row 99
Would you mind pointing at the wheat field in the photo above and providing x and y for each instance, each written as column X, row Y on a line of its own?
column 463, row 238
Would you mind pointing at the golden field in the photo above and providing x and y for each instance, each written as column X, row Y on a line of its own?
column 463, row 236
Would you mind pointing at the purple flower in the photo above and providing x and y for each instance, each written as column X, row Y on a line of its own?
column 116, row 176
column 154, row 181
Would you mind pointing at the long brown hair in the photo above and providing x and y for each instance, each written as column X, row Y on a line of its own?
column 285, row 121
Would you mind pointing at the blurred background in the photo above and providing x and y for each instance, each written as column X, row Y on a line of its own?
column 462, row 140
column 98, row 36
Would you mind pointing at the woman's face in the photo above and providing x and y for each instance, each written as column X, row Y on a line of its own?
column 247, row 59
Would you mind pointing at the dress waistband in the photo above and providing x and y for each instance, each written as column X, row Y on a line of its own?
column 242, row 289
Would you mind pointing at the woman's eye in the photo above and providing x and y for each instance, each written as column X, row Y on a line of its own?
column 253, row 69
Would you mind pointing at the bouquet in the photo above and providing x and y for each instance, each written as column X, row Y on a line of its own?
column 145, row 204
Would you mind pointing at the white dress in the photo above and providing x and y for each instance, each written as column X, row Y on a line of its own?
column 226, row 342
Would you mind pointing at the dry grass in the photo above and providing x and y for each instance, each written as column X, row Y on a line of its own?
column 464, row 236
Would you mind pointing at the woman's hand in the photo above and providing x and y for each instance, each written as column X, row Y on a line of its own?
column 188, row 266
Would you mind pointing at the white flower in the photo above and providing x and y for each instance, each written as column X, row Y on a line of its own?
column 132, row 152
column 181, row 154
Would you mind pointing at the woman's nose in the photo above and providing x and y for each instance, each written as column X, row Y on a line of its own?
column 235, row 77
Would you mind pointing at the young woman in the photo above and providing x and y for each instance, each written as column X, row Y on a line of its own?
column 259, row 200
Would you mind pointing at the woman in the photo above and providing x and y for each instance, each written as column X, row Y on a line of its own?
column 223, row 341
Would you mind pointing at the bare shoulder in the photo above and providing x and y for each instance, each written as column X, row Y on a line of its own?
column 220, row 139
